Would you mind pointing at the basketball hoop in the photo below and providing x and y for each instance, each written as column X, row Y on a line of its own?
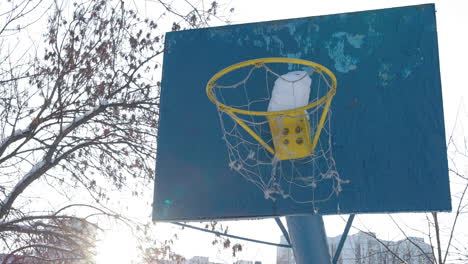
column 286, row 146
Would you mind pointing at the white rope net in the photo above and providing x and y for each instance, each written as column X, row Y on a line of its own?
column 311, row 178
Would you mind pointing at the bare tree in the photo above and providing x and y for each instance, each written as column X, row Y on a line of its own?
column 78, row 113
column 56, row 238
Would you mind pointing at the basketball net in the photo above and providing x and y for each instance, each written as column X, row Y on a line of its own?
column 279, row 139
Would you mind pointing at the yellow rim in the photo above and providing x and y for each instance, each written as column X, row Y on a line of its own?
column 211, row 85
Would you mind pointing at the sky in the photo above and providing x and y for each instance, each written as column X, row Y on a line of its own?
column 451, row 18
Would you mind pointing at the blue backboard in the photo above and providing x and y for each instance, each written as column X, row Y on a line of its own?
column 385, row 130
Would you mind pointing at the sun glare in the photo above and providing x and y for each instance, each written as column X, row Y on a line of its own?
column 116, row 247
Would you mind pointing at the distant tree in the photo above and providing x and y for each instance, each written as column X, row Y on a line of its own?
column 78, row 113
column 368, row 249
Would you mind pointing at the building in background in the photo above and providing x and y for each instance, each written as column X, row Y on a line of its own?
column 284, row 255
column 203, row 260
column 67, row 240
column 365, row 248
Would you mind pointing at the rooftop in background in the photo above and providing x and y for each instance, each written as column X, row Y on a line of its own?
column 367, row 248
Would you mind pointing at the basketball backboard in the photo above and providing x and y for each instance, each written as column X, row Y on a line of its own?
column 383, row 145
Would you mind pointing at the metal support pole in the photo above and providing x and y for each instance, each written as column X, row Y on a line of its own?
column 309, row 240
column 283, row 229
column 343, row 239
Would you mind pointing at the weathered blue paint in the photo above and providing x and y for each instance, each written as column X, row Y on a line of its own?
column 308, row 239
column 387, row 117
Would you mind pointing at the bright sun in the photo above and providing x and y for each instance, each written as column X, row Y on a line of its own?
column 116, row 247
